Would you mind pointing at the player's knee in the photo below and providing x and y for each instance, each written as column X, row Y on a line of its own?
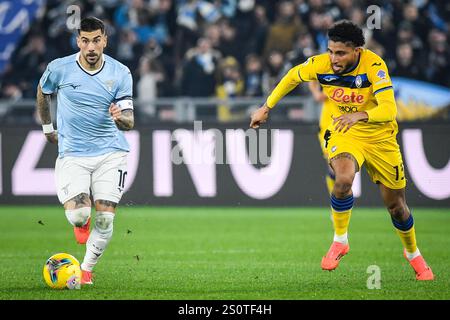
column 79, row 201
column 104, row 221
column 398, row 211
column 78, row 217
column 343, row 186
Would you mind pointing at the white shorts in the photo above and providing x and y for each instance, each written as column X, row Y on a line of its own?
column 103, row 175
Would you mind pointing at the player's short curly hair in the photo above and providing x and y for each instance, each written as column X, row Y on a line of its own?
column 91, row 24
column 347, row 32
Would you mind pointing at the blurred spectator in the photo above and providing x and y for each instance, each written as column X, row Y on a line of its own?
column 303, row 49
column 11, row 92
column 253, row 35
column 229, row 46
column 191, row 17
column 358, row 17
column 138, row 16
column 213, row 33
column 346, row 10
column 198, row 77
column 438, row 13
column 229, row 85
column 320, row 23
column 417, row 21
column 406, row 33
column 128, row 48
column 387, row 35
column 244, row 20
column 274, row 71
column 405, row 66
column 29, row 64
column 253, row 76
column 283, row 32
column 438, row 66
column 150, row 74
column 317, row 6
column 128, row 15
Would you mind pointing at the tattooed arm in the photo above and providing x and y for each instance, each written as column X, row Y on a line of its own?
column 43, row 102
column 124, row 119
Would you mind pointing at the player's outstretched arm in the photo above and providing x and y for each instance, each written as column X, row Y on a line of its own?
column 123, row 119
column 289, row 82
column 43, row 102
column 259, row 116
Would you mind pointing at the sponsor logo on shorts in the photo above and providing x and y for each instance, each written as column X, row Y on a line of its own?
column 333, row 148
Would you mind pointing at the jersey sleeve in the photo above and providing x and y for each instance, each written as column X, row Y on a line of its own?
column 386, row 109
column 50, row 79
column 301, row 73
column 125, row 89
column 307, row 71
column 379, row 77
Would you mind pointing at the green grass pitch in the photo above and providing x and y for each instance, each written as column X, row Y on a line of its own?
column 225, row 254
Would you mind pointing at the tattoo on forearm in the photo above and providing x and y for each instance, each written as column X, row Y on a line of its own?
column 43, row 102
column 107, row 203
column 126, row 120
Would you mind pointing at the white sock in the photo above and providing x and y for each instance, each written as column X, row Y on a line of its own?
column 413, row 255
column 342, row 238
column 98, row 239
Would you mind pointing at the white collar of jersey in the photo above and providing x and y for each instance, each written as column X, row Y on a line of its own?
column 90, row 71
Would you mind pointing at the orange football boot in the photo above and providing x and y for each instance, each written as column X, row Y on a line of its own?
column 334, row 255
column 422, row 270
column 86, row 277
column 82, row 233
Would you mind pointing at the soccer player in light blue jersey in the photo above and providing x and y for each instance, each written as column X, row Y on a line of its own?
column 94, row 99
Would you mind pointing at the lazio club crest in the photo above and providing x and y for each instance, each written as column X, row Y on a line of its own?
column 110, row 84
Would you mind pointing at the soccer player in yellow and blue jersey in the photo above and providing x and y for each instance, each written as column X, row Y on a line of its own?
column 363, row 131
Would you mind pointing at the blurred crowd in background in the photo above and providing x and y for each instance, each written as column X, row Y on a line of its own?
column 231, row 48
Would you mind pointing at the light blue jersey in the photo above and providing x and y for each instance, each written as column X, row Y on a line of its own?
column 85, row 127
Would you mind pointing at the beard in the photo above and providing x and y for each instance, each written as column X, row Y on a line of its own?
column 92, row 59
column 346, row 68
column 343, row 69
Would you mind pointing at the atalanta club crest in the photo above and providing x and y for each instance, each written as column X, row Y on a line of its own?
column 358, row 82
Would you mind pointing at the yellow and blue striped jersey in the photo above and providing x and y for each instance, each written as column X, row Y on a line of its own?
column 366, row 87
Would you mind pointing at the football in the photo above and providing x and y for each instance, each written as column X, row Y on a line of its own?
column 61, row 271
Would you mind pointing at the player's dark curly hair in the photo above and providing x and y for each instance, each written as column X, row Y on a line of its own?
column 91, row 24
column 347, row 32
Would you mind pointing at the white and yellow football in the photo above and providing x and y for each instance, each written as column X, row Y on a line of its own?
column 61, row 271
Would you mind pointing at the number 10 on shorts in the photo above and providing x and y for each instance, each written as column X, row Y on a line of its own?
column 122, row 175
